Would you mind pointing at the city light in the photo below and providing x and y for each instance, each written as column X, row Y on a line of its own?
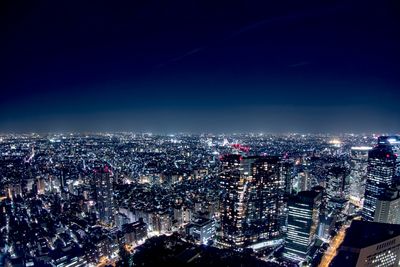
column 119, row 197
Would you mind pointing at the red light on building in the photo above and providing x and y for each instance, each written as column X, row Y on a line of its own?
column 241, row 148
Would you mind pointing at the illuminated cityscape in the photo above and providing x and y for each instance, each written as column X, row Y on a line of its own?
column 200, row 133
column 104, row 199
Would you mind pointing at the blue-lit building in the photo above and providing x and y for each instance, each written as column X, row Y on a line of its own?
column 383, row 172
column 202, row 230
column 303, row 221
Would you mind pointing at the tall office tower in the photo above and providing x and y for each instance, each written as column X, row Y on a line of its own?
column 102, row 188
column 369, row 244
column 358, row 174
column 388, row 207
column 287, row 177
column 265, row 191
column 338, row 183
column 303, row 221
column 252, row 200
column 62, row 179
column 233, row 199
column 287, row 169
column 383, row 171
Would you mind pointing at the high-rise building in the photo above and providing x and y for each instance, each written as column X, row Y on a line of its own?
column 287, row 168
column 102, row 188
column 388, row 207
column 338, row 182
column 252, row 202
column 383, row 171
column 369, row 244
column 233, row 201
column 358, row 173
column 266, row 188
column 302, row 226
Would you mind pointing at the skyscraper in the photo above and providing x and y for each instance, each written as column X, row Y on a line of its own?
column 286, row 171
column 265, row 201
column 383, row 171
column 232, row 203
column 102, row 186
column 338, row 182
column 358, row 174
column 303, row 221
column 388, row 206
column 252, row 200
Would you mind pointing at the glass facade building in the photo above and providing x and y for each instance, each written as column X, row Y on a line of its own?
column 303, row 221
column 382, row 173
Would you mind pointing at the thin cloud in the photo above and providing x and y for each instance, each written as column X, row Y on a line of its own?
column 178, row 58
column 299, row 64
column 253, row 26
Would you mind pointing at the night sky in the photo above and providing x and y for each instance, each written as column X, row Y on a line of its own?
column 200, row 66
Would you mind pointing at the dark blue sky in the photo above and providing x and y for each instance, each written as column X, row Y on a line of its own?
column 200, row 66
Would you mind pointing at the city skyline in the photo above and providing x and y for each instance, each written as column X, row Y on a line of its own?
column 120, row 199
column 200, row 133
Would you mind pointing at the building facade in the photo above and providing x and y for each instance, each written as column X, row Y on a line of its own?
column 382, row 173
column 388, row 207
column 102, row 189
column 303, row 220
column 252, row 199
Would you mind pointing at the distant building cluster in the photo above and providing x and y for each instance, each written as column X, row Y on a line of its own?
column 113, row 199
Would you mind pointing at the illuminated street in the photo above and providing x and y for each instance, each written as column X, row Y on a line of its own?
column 333, row 247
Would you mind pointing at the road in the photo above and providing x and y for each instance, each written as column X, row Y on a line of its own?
column 334, row 245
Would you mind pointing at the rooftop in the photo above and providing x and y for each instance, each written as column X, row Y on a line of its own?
column 362, row 234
